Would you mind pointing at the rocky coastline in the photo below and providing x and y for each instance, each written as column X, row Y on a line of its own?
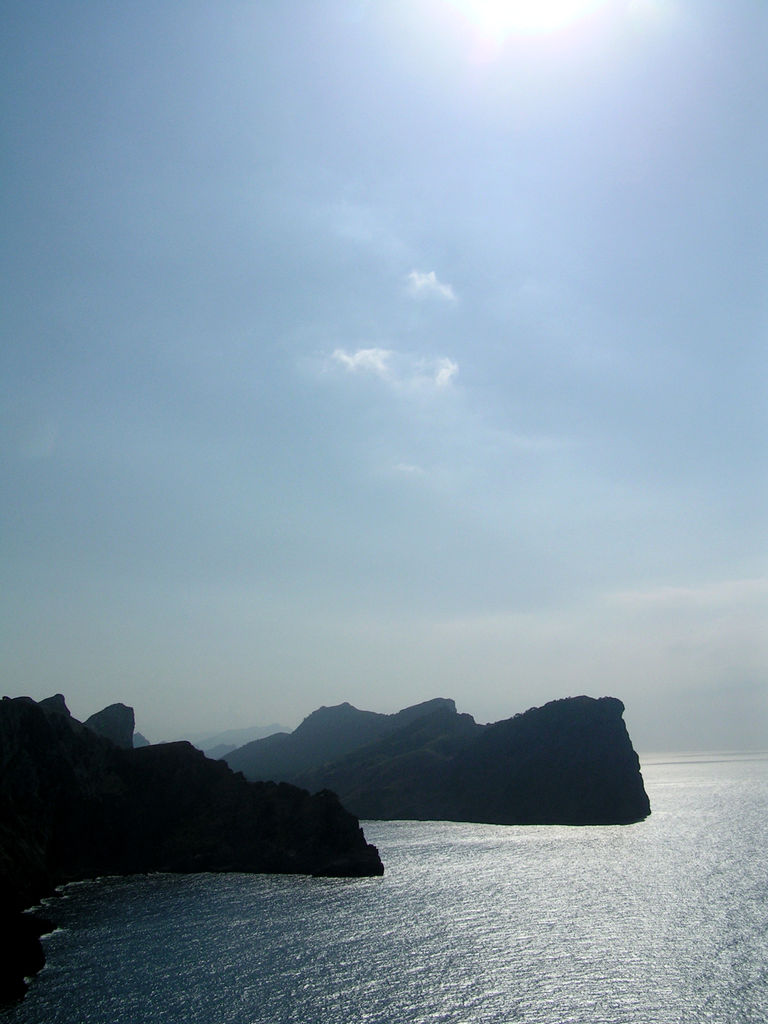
column 75, row 805
column 568, row 762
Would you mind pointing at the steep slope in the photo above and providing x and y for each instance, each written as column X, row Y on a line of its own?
column 326, row 735
column 568, row 762
column 401, row 775
column 115, row 722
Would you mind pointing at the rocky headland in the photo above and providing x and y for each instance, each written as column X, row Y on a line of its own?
column 78, row 801
column 569, row 762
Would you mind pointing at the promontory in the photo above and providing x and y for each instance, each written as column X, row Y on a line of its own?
column 570, row 762
column 75, row 804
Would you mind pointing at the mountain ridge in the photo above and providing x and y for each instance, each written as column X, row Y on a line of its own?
column 570, row 761
column 327, row 733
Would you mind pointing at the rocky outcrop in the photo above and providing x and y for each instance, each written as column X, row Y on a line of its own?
column 116, row 723
column 55, row 705
column 326, row 735
column 74, row 805
column 568, row 762
column 402, row 775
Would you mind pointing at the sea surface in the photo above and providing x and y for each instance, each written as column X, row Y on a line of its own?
column 661, row 922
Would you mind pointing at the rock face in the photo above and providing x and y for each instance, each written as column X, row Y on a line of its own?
column 55, row 705
column 74, row 805
column 404, row 774
column 116, row 723
column 325, row 735
column 569, row 762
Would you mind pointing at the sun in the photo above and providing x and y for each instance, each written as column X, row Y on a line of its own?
column 499, row 19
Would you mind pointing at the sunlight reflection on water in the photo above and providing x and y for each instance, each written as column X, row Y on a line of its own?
column 664, row 921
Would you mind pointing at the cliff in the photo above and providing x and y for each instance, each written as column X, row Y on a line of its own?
column 568, row 762
column 116, row 723
column 74, row 805
column 326, row 735
column 402, row 775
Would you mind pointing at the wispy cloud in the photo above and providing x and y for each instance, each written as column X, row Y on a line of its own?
column 400, row 369
column 425, row 283
column 365, row 360
column 445, row 371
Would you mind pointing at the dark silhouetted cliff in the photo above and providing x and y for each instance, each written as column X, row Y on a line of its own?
column 324, row 736
column 403, row 774
column 115, row 722
column 569, row 762
column 74, row 805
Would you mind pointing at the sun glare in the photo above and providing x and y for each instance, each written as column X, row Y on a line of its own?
column 498, row 19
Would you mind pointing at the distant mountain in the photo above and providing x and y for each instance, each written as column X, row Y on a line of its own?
column 568, row 762
column 74, row 804
column 325, row 735
column 217, row 744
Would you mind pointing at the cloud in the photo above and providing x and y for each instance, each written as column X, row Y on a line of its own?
column 445, row 372
column 425, row 283
column 400, row 369
column 365, row 360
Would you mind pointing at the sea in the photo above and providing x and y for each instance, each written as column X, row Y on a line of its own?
column 661, row 922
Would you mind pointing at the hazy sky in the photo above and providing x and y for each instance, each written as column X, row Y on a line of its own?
column 377, row 351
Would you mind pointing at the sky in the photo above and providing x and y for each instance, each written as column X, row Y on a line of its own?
column 379, row 350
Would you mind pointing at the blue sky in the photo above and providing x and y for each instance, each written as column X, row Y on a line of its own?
column 376, row 351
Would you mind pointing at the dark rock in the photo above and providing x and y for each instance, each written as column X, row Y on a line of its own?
column 22, row 953
column 55, row 705
column 569, row 762
column 74, row 805
column 402, row 775
column 326, row 735
column 115, row 722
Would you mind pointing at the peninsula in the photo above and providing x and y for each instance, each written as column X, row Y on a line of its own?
column 570, row 762
column 78, row 801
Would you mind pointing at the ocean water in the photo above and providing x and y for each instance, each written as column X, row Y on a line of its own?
column 661, row 922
